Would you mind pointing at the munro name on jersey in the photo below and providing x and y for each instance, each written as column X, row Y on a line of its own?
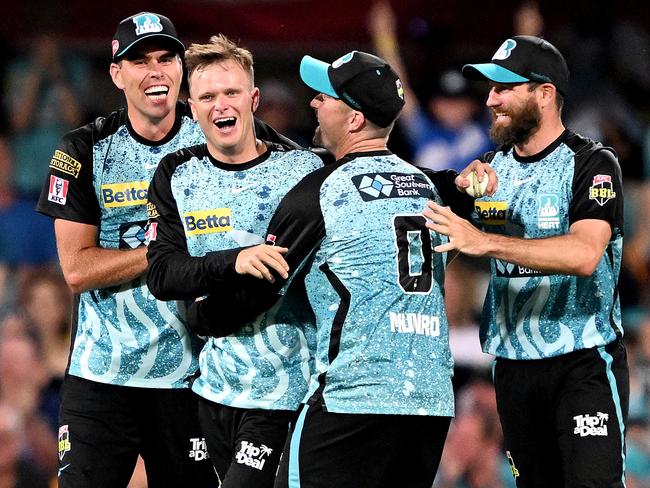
column 376, row 186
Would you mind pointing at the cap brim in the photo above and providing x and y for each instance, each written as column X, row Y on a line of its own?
column 314, row 73
column 492, row 72
column 180, row 48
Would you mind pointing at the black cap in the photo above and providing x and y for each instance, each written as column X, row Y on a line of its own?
column 363, row 81
column 144, row 25
column 523, row 59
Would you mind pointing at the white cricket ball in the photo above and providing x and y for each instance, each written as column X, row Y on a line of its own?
column 476, row 188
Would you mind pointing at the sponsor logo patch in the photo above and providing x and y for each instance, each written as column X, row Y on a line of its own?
column 548, row 211
column 133, row 234
column 151, row 233
column 253, row 456
column 492, row 213
column 376, row 186
column 152, row 211
column 513, row 468
column 270, row 239
column 198, row 449
column 125, row 194
column 591, row 425
column 58, row 192
column 509, row 270
column 601, row 189
column 65, row 163
column 207, row 221
column 64, row 441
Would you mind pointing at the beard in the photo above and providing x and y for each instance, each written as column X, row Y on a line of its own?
column 523, row 125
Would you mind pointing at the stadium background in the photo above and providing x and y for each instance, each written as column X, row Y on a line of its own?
column 607, row 46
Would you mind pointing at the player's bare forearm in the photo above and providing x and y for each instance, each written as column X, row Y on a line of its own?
column 576, row 253
column 86, row 266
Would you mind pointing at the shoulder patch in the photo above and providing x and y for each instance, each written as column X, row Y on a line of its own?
column 65, row 163
column 601, row 189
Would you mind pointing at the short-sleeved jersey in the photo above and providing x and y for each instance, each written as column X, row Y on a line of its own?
column 355, row 230
column 529, row 314
column 200, row 205
column 99, row 175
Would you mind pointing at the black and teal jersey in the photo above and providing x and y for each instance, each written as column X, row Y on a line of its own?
column 357, row 237
column 529, row 314
column 99, row 175
column 198, row 206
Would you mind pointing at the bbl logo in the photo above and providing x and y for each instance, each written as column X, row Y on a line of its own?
column 601, row 189
column 64, row 441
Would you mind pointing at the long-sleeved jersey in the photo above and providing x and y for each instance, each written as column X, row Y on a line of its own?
column 529, row 314
column 199, row 206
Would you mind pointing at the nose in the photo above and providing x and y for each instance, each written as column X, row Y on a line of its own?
column 316, row 101
column 493, row 98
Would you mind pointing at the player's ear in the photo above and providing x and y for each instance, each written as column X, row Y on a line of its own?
column 115, row 71
column 192, row 108
column 255, row 95
column 357, row 120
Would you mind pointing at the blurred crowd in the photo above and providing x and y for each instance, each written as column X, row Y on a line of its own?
column 445, row 124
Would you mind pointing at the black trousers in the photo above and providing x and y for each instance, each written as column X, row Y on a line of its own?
column 103, row 428
column 564, row 418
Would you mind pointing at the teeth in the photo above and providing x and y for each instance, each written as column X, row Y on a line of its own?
column 225, row 122
column 157, row 90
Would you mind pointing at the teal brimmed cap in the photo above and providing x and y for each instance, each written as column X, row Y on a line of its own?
column 144, row 25
column 523, row 59
column 363, row 81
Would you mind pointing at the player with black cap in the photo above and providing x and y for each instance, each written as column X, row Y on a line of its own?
column 381, row 399
column 552, row 315
column 127, row 388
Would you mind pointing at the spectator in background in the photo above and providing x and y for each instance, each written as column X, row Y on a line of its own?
column 278, row 109
column 43, row 91
column 21, row 387
column 45, row 303
column 16, row 468
column 446, row 133
column 472, row 455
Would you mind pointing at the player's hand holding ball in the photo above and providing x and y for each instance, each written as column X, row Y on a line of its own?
column 468, row 180
column 476, row 188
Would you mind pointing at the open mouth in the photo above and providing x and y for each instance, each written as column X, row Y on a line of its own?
column 157, row 92
column 226, row 123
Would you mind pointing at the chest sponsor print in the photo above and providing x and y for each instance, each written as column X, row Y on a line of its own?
column 207, row 221
column 125, row 194
column 376, row 186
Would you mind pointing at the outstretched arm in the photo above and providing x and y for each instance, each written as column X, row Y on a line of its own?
column 575, row 253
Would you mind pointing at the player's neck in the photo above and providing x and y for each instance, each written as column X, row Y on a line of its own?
column 237, row 154
column 149, row 128
column 357, row 146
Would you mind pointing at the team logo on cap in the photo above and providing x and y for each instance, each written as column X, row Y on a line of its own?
column 400, row 89
column 505, row 49
column 146, row 24
column 601, row 189
column 346, row 58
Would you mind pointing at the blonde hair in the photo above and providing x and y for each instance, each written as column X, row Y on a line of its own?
column 218, row 49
